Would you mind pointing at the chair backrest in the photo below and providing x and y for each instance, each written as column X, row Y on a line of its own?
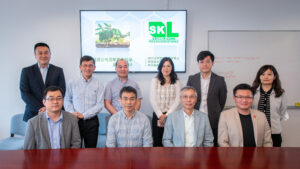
column 17, row 126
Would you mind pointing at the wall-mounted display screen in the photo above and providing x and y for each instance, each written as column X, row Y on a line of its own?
column 140, row 37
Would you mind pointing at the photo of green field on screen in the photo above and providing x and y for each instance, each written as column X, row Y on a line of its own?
column 140, row 37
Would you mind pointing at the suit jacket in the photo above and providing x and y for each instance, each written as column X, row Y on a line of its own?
column 37, row 135
column 231, row 132
column 216, row 98
column 174, row 130
column 32, row 87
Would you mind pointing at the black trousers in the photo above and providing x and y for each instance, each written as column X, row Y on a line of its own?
column 277, row 140
column 89, row 131
column 215, row 133
column 157, row 132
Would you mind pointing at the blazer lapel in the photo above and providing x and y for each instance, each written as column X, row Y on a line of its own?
column 49, row 72
column 239, row 125
column 63, row 130
column 44, row 128
column 181, row 128
column 197, row 126
column 254, row 121
column 198, row 86
column 211, row 84
column 38, row 75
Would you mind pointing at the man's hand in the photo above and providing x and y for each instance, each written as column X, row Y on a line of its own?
column 80, row 116
column 41, row 110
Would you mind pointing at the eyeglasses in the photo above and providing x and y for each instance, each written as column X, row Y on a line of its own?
column 130, row 99
column 87, row 66
column 52, row 99
column 243, row 97
column 188, row 97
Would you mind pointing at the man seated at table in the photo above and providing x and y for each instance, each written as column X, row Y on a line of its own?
column 188, row 127
column 129, row 127
column 243, row 126
column 54, row 128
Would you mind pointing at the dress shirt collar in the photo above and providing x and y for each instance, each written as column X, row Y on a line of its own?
column 43, row 68
column 82, row 78
column 49, row 119
column 124, row 115
column 206, row 78
column 121, row 80
column 187, row 116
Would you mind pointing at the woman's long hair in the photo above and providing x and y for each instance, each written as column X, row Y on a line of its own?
column 160, row 76
column 276, row 85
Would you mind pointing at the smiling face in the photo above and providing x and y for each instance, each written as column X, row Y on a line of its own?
column 267, row 77
column 42, row 55
column 87, row 69
column 205, row 65
column 122, row 69
column 188, row 99
column 128, row 101
column 53, row 101
column 166, row 69
column 243, row 99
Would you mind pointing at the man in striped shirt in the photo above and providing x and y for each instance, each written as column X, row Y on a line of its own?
column 129, row 127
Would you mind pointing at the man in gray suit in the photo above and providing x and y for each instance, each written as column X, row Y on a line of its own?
column 54, row 128
column 211, row 90
column 188, row 127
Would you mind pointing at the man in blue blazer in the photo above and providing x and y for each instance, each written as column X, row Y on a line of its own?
column 188, row 127
column 36, row 78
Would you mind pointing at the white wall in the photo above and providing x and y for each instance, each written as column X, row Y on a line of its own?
column 56, row 22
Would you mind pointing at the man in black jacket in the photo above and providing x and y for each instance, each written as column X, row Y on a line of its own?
column 211, row 90
column 36, row 78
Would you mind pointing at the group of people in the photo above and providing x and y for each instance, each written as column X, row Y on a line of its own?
column 65, row 116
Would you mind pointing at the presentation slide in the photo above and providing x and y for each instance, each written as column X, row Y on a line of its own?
column 142, row 38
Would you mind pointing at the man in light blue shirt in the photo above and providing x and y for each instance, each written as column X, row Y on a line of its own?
column 188, row 127
column 112, row 90
column 54, row 128
column 129, row 127
column 84, row 99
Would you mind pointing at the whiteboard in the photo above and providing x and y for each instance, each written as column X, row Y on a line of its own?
column 239, row 55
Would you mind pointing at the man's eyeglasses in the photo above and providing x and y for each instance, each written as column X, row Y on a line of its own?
column 52, row 99
column 243, row 97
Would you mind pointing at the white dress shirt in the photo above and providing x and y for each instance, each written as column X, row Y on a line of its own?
column 204, row 93
column 189, row 132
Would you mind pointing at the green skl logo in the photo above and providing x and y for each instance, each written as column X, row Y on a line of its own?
column 162, row 33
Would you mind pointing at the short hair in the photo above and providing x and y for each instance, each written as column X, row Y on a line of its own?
column 128, row 89
column 160, row 76
column 203, row 54
column 52, row 89
column 119, row 60
column 243, row 86
column 41, row 44
column 188, row 88
column 86, row 58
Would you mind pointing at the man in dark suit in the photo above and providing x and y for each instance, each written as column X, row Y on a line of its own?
column 36, row 78
column 211, row 90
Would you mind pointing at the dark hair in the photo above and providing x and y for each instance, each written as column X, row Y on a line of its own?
column 203, row 54
column 119, row 60
column 188, row 88
column 243, row 86
column 276, row 83
column 52, row 89
column 41, row 44
column 86, row 58
column 128, row 89
column 160, row 76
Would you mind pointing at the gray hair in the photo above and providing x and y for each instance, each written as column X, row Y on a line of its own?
column 188, row 88
column 119, row 60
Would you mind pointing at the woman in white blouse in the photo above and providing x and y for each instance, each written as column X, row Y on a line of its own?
column 270, row 99
column 164, row 97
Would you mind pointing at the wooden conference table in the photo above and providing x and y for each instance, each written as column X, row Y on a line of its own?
column 143, row 158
